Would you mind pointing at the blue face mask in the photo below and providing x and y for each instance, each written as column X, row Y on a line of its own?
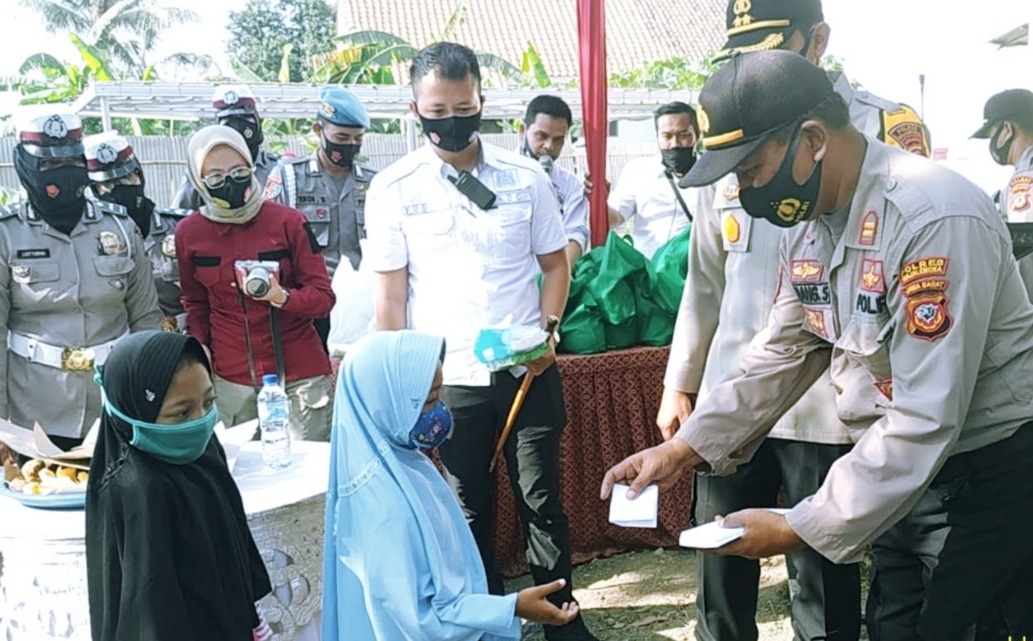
column 432, row 428
column 176, row 443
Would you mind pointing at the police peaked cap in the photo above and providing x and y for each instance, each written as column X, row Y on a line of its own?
column 234, row 100
column 762, row 25
column 109, row 156
column 51, row 135
column 1015, row 105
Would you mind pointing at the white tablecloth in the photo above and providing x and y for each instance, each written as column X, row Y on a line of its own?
column 43, row 592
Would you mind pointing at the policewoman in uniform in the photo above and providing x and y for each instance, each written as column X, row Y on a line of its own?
column 329, row 187
column 117, row 177
column 74, row 280
column 1008, row 124
column 922, row 322
column 727, row 299
column 461, row 233
column 235, row 106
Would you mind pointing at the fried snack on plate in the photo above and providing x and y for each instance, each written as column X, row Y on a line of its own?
column 31, row 470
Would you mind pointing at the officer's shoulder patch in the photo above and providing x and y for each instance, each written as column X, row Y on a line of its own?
column 1019, row 198
column 903, row 128
column 273, row 186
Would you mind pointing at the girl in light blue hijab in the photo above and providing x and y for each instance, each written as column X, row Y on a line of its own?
column 400, row 562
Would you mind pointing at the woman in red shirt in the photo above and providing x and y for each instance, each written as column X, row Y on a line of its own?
column 237, row 224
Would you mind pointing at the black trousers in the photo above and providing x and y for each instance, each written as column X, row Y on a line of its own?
column 532, row 454
column 825, row 597
column 959, row 565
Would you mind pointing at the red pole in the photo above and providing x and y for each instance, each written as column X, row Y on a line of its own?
column 591, row 26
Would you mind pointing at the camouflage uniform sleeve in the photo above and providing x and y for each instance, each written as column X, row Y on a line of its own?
column 904, row 129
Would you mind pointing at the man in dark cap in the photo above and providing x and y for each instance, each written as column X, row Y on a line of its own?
column 235, row 106
column 1008, row 123
column 728, row 296
column 329, row 186
column 897, row 276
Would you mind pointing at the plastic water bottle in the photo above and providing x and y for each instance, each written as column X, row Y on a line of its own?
column 274, row 418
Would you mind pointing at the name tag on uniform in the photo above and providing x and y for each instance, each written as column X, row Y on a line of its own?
column 414, row 210
column 512, row 197
column 816, row 294
column 33, row 253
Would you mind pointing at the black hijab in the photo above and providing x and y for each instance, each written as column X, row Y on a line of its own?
column 169, row 555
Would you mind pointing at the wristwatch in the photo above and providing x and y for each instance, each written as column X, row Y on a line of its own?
column 286, row 299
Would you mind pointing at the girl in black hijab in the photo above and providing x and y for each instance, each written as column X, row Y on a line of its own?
column 169, row 555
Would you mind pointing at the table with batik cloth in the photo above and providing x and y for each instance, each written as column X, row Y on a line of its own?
column 611, row 400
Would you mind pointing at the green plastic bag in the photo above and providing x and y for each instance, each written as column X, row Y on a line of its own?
column 622, row 270
column 671, row 266
column 581, row 331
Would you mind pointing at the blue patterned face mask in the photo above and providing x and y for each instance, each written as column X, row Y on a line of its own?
column 432, row 428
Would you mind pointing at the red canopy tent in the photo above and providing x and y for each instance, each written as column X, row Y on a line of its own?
column 591, row 26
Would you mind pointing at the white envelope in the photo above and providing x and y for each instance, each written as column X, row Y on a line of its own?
column 710, row 536
column 640, row 512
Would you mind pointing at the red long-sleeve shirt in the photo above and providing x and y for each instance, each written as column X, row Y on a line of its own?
column 207, row 250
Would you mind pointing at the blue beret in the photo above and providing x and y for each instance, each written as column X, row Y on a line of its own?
column 340, row 107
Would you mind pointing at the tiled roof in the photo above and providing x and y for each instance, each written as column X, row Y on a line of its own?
column 638, row 31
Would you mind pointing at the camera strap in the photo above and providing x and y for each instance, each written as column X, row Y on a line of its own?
column 677, row 194
column 274, row 329
column 247, row 338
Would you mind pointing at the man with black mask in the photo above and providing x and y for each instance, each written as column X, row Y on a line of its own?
column 1008, row 125
column 461, row 232
column 543, row 134
column 74, row 279
column 329, row 186
column 117, row 177
column 731, row 284
column 235, row 107
column 647, row 195
column 897, row 277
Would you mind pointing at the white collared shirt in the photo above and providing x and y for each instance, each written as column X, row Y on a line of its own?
column 468, row 268
column 644, row 195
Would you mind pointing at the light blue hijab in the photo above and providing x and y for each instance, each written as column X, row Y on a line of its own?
column 399, row 561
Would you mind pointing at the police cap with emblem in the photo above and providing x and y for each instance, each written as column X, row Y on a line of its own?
column 760, row 25
column 747, row 100
column 1014, row 105
column 51, row 135
column 339, row 106
column 234, row 100
column 109, row 156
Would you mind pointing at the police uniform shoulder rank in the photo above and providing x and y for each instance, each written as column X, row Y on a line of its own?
column 8, row 211
column 104, row 207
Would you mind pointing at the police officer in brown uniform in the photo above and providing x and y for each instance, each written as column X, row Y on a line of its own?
column 117, row 177
column 74, row 279
column 897, row 276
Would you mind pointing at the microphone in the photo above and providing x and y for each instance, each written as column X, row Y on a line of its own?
column 545, row 161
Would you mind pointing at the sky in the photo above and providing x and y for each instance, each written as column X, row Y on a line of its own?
column 884, row 45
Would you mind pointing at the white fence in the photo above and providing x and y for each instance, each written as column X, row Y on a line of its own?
column 164, row 159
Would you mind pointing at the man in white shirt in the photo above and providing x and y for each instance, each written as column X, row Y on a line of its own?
column 647, row 192
column 543, row 133
column 460, row 233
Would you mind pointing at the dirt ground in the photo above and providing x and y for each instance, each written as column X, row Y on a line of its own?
column 650, row 596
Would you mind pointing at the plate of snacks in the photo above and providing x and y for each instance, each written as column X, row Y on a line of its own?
column 46, row 484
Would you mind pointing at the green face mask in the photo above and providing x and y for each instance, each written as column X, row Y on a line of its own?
column 176, row 443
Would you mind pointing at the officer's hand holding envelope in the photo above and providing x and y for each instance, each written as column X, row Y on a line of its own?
column 762, row 533
column 663, row 464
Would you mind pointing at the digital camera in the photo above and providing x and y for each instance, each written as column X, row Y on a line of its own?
column 254, row 276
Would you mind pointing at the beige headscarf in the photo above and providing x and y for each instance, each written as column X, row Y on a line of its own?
column 200, row 145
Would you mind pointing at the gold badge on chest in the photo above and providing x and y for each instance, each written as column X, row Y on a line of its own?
column 110, row 244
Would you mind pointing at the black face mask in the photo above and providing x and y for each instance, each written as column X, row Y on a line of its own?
column 232, row 192
column 998, row 151
column 57, row 195
column 340, row 154
column 678, row 160
column 140, row 207
column 454, row 133
column 250, row 129
column 525, row 149
column 783, row 201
